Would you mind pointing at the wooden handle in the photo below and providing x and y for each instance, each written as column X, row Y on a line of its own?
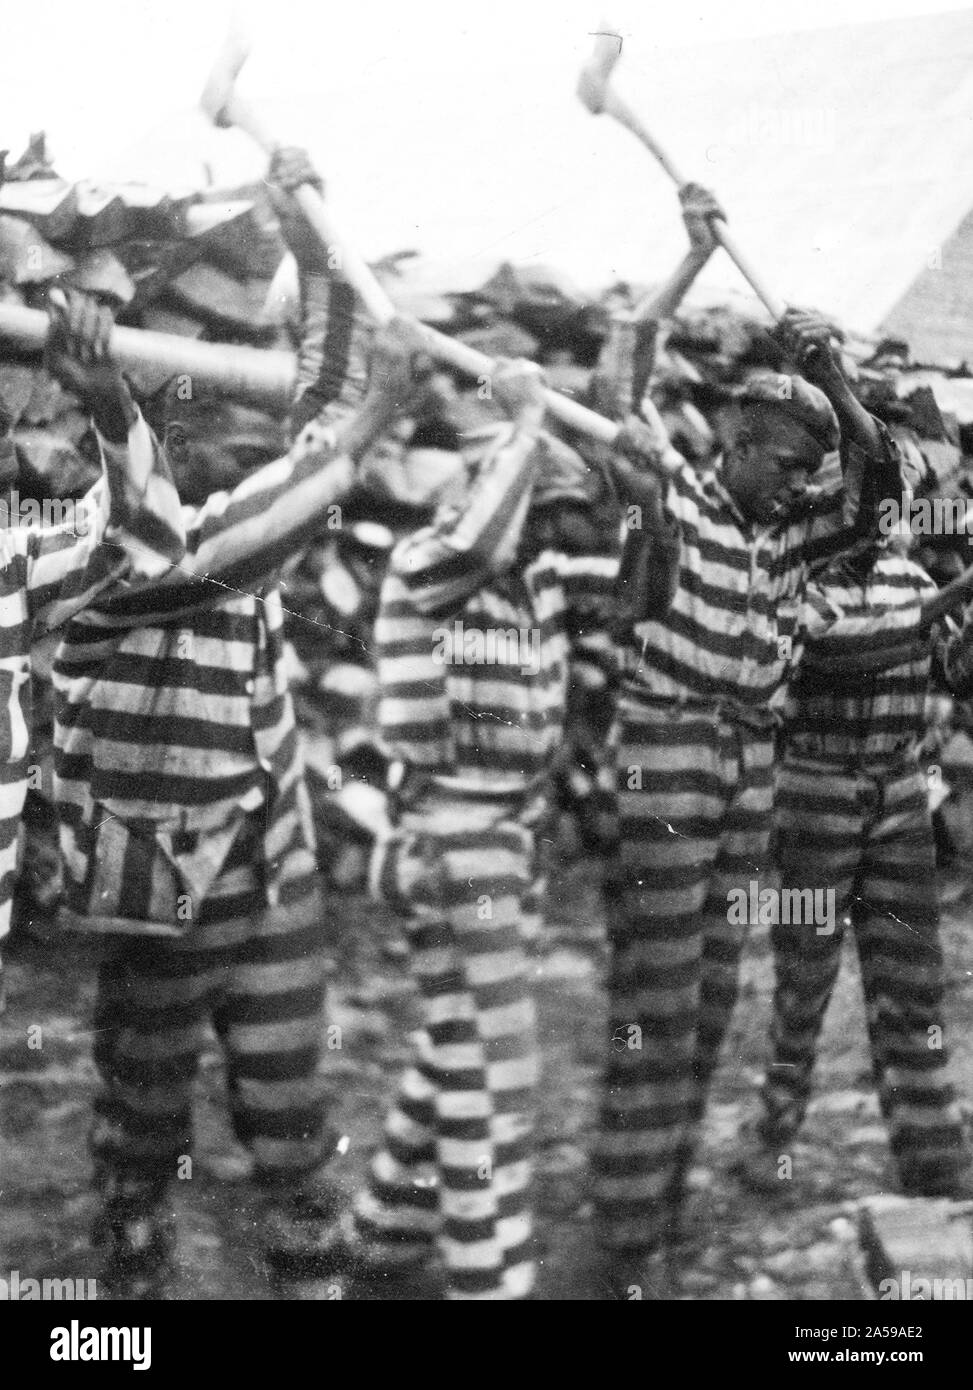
column 774, row 306
column 359, row 275
column 264, row 378
column 243, row 373
column 617, row 108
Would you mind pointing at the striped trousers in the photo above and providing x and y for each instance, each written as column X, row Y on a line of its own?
column 865, row 833
column 695, row 791
column 263, row 994
column 454, row 1169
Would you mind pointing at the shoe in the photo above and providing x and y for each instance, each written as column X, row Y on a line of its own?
column 757, row 1165
column 306, row 1237
column 138, row 1259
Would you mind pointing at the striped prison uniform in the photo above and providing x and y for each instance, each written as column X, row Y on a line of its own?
column 853, row 819
column 476, row 731
column 128, row 524
column 694, row 763
column 331, row 334
column 187, row 840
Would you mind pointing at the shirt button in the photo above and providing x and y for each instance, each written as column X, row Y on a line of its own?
column 249, row 687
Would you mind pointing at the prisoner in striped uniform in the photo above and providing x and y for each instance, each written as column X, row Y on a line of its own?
column 187, row 840
column 127, row 525
column 484, row 619
column 853, row 821
column 695, row 751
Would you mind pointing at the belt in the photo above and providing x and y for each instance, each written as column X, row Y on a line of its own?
column 409, row 786
column 890, row 760
column 718, row 706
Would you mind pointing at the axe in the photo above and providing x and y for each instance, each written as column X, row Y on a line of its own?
column 225, row 106
column 597, row 94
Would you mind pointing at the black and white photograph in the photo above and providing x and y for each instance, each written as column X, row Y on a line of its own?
column 486, row 661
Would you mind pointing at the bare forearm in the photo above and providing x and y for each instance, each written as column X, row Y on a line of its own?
column 662, row 304
column 858, row 428
column 948, row 600
column 356, row 436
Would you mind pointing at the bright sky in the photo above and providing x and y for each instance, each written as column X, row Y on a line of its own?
column 446, row 126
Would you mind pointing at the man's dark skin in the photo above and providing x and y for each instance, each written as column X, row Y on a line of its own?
column 772, row 459
column 78, row 355
column 811, row 341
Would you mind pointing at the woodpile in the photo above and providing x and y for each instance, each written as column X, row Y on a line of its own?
column 196, row 264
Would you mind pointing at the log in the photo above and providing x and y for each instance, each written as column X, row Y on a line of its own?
column 206, row 293
column 50, row 204
column 26, row 258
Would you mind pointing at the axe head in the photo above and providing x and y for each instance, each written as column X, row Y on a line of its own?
column 596, row 73
column 218, row 91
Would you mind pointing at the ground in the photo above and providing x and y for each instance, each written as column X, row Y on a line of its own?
column 802, row 1243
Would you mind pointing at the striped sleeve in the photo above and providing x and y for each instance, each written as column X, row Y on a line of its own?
column 145, row 516
column 128, row 524
column 589, row 591
column 854, row 643
column 241, row 537
column 444, row 564
column 648, row 574
column 332, row 353
column 850, row 511
column 237, row 539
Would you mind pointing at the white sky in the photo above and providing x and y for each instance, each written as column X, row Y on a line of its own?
column 439, row 124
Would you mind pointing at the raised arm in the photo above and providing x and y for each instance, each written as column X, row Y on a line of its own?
column 699, row 208
column 870, row 460
column 237, row 539
column 129, row 524
column 627, row 357
column 648, row 575
column 839, row 643
column 332, row 356
column 469, row 543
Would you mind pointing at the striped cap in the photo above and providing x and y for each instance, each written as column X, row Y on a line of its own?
column 797, row 399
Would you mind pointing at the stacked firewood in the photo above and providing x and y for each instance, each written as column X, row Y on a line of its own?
column 191, row 263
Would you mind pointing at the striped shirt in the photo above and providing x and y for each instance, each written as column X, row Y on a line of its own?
column 174, row 717
column 128, row 524
column 732, row 632
column 475, row 651
column 838, row 706
column 331, row 332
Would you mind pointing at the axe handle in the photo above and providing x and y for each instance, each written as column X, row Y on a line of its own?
column 775, row 307
column 243, row 373
column 449, row 350
column 377, row 303
column 256, row 376
column 620, row 110
column 239, row 112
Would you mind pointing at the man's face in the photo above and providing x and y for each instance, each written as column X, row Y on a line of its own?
column 769, row 466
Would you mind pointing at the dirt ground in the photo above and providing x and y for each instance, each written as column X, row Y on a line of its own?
column 800, row 1244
